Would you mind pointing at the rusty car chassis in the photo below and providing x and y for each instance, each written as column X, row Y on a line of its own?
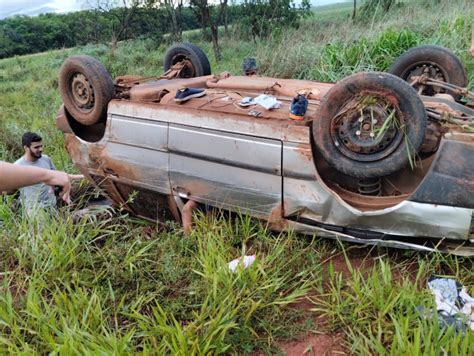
column 260, row 162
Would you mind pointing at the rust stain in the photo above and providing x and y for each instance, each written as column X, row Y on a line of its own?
column 367, row 203
column 305, row 151
column 283, row 87
column 276, row 220
column 95, row 152
column 442, row 107
column 72, row 147
column 461, row 136
column 276, row 214
column 193, row 189
column 118, row 168
column 61, row 121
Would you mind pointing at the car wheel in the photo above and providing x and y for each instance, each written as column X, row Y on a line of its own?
column 433, row 61
column 369, row 125
column 196, row 63
column 86, row 89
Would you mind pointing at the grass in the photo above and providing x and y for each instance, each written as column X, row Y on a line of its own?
column 114, row 287
column 379, row 312
column 120, row 286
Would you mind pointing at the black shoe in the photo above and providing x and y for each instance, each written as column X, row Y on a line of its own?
column 185, row 94
column 298, row 107
column 249, row 66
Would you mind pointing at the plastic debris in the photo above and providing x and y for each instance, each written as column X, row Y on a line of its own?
column 254, row 113
column 247, row 101
column 454, row 305
column 267, row 101
column 245, row 262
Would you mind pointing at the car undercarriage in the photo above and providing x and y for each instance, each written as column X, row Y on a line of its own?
column 377, row 158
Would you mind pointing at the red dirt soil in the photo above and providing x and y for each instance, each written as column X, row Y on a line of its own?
column 323, row 340
column 323, row 344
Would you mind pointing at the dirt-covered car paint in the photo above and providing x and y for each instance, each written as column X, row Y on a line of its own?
column 262, row 163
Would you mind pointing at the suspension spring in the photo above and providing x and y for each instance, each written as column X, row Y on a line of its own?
column 370, row 186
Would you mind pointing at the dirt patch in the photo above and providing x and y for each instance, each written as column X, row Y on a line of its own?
column 323, row 344
column 358, row 258
column 364, row 259
column 324, row 339
column 321, row 340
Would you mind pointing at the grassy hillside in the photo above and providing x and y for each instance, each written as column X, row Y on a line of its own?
column 121, row 286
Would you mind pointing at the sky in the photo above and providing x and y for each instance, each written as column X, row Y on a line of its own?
column 34, row 7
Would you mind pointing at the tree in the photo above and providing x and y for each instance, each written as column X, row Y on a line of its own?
column 260, row 17
column 354, row 10
column 211, row 17
column 123, row 13
column 173, row 10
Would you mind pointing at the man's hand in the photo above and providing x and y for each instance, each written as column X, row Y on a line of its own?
column 62, row 180
column 14, row 177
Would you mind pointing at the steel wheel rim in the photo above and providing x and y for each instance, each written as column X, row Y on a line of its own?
column 360, row 133
column 82, row 92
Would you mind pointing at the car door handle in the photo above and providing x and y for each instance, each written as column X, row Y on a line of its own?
column 110, row 171
column 182, row 192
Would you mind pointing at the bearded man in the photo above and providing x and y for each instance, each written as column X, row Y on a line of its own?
column 39, row 195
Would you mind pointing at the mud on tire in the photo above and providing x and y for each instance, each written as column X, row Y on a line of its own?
column 436, row 61
column 369, row 125
column 86, row 89
column 197, row 63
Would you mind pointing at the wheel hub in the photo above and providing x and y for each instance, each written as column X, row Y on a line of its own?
column 429, row 71
column 82, row 92
column 367, row 133
column 187, row 70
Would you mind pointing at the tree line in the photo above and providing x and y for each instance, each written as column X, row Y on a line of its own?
column 111, row 21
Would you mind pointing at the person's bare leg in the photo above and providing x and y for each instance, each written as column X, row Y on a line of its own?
column 187, row 216
column 471, row 51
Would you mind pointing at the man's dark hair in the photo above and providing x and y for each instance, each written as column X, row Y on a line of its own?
column 30, row 137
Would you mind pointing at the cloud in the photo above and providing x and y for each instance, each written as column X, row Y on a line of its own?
column 33, row 7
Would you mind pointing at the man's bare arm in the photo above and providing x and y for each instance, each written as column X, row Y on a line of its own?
column 14, row 177
column 471, row 51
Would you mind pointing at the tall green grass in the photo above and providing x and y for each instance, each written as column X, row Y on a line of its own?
column 119, row 286
column 114, row 287
column 380, row 311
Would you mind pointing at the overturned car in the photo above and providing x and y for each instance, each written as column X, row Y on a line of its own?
column 376, row 158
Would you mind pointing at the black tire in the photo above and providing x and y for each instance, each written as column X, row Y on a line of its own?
column 86, row 89
column 198, row 63
column 353, row 149
column 440, row 63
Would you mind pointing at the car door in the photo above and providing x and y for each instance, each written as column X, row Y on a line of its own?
column 135, row 158
column 236, row 172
